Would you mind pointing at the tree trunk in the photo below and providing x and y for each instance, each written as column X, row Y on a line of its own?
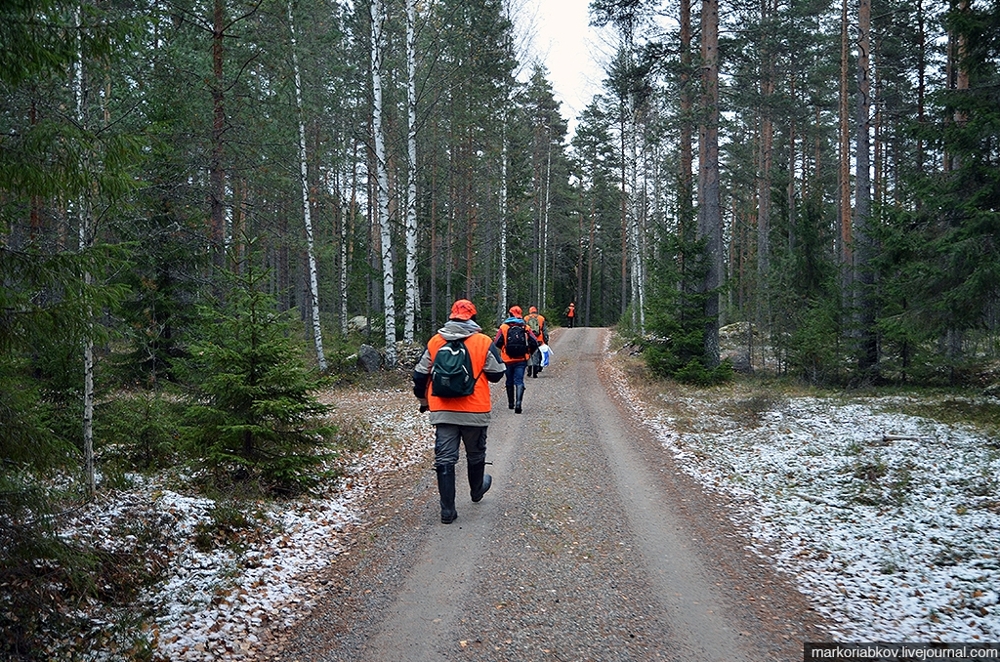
column 217, row 173
column 710, row 210
column 412, row 293
column 685, row 192
column 845, row 156
column 767, row 75
column 503, row 220
column 86, row 242
column 382, row 210
column 306, row 210
column 862, row 211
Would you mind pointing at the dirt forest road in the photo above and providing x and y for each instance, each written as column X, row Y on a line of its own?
column 590, row 546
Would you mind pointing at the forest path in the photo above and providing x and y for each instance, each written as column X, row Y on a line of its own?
column 591, row 545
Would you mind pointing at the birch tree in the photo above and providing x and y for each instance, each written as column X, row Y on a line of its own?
column 412, row 292
column 85, row 242
column 306, row 211
column 382, row 177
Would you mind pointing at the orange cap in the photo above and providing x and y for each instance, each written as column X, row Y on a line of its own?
column 515, row 311
column 463, row 310
column 532, row 310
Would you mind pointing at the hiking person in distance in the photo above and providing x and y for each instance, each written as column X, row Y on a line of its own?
column 459, row 418
column 536, row 322
column 571, row 315
column 516, row 343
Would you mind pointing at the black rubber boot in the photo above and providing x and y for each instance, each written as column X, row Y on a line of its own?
column 446, row 486
column 518, row 396
column 510, row 397
column 479, row 481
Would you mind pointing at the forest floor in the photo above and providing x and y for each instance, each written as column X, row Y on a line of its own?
column 845, row 517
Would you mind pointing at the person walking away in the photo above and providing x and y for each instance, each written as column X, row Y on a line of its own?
column 452, row 380
column 536, row 322
column 516, row 343
column 571, row 315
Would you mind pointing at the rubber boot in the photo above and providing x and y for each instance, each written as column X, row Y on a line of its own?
column 518, row 396
column 510, row 396
column 446, row 487
column 479, row 481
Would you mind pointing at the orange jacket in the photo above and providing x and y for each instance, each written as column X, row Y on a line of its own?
column 501, row 341
column 478, row 345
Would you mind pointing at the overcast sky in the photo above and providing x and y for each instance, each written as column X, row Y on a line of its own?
column 558, row 34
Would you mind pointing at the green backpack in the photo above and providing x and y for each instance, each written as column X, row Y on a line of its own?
column 451, row 371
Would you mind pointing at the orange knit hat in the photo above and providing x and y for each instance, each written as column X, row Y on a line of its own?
column 515, row 311
column 532, row 310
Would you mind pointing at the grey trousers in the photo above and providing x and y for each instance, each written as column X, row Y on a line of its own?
column 448, row 437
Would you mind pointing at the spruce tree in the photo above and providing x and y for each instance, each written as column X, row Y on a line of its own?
column 253, row 412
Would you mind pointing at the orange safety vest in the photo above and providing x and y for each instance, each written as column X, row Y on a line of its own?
column 541, row 323
column 503, row 350
column 478, row 345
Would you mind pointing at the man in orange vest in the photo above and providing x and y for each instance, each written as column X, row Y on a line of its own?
column 460, row 419
column 515, row 355
column 571, row 314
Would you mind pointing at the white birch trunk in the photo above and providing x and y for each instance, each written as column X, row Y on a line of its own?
column 306, row 213
column 412, row 292
column 85, row 243
column 545, row 225
column 382, row 209
column 345, row 216
column 633, row 221
column 503, row 218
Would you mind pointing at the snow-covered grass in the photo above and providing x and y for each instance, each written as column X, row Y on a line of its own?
column 218, row 594
column 889, row 522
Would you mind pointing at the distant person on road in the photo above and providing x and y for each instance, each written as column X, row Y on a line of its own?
column 516, row 343
column 458, row 417
column 571, row 315
column 536, row 322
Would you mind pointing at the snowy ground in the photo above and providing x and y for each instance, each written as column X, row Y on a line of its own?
column 890, row 523
column 213, row 604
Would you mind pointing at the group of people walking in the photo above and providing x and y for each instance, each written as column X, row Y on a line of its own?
column 448, row 380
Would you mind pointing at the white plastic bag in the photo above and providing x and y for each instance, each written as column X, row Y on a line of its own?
column 546, row 353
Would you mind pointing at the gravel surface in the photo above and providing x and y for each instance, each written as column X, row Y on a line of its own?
column 591, row 545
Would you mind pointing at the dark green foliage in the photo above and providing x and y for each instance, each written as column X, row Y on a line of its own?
column 811, row 349
column 939, row 270
column 160, row 307
column 138, row 430
column 252, row 414
column 677, row 322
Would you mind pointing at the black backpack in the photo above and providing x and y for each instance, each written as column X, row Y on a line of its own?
column 516, row 343
column 451, row 371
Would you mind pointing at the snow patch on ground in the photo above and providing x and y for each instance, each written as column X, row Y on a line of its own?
column 890, row 523
column 213, row 604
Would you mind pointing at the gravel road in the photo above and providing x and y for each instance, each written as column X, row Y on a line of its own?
column 590, row 546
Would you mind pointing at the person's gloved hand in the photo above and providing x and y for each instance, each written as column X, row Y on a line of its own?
column 423, row 405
